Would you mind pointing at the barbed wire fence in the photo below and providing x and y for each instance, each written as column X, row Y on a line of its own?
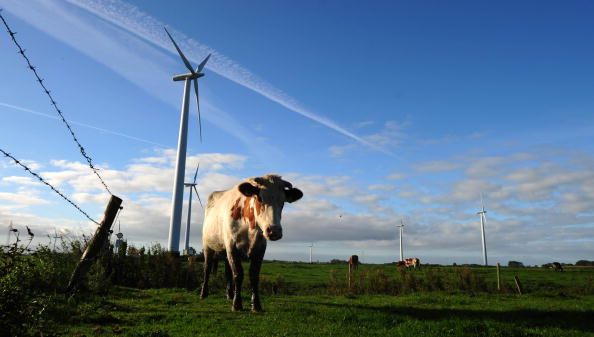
column 26, row 168
column 47, row 92
column 54, row 104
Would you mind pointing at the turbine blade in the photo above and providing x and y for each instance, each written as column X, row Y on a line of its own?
column 201, row 65
column 198, row 195
column 198, row 105
column 183, row 57
column 196, row 174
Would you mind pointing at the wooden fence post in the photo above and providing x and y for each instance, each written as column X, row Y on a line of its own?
column 518, row 285
column 498, row 277
column 95, row 245
column 350, row 275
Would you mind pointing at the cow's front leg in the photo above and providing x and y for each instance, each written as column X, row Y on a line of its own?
column 229, row 280
column 234, row 259
column 208, row 261
column 255, row 266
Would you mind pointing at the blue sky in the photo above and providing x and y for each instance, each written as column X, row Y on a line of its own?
column 378, row 111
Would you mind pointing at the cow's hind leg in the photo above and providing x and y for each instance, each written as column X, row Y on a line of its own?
column 255, row 266
column 208, row 264
column 234, row 259
column 229, row 280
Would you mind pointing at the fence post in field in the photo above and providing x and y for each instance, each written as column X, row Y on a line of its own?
column 95, row 245
column 498, row 277
column 518, row 285
column 350, row 275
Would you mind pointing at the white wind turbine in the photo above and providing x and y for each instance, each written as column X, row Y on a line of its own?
column 310, row 253
column 482, row 213
column 11, row 230
column 192, row 187
column 401, row 227
column 178, row 184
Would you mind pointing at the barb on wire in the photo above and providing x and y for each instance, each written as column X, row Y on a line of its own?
column 53, row 102
column 18, row 162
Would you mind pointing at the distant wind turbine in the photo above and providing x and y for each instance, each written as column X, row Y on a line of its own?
column 482, row 213
column 401, row 227
column 178, row 184
column 11, row 229
column 310, row 253
column 56, row 237
column 192, row 187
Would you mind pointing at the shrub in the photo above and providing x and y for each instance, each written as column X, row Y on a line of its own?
column 515, row 264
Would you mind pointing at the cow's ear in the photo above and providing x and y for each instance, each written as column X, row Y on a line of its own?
column 248, row 189
column 293, row 194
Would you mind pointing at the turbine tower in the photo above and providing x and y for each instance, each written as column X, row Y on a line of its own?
column 180, row 165
column 11, row 229
column 401, row 227
column 56, row 237
column 483, row 223
column 310, row 253
column 192, row 187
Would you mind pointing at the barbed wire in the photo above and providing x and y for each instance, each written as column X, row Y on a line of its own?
column 53, row 102
column 18, row 162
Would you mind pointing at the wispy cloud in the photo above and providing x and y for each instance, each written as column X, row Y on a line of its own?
column 133, row 20
column 127, row 55
column 96, row 128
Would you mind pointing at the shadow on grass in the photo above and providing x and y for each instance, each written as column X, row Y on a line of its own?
column 563, row 319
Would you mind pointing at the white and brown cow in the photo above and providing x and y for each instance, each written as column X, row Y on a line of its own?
column 412, row 262
column 239, row 221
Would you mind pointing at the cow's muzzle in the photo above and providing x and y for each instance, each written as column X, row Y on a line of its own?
column 274, row 233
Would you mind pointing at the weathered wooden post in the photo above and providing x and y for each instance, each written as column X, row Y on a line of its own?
column 498, row 277
column 350, row 276
column 95, row 244
column 518, row 285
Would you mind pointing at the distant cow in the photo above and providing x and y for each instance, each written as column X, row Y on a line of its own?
column 239, row 221
column 557, row 266
column 354, row 261
column 412, row 262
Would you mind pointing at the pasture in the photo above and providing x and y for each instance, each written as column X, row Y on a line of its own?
column 314, row 300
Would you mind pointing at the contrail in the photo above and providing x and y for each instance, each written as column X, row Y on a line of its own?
column 133, row 20
column 115, row 133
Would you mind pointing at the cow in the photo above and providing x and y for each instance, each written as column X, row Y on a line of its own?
column 354, row 261
column 239, row 221
column 412, row 262
column 557, row 266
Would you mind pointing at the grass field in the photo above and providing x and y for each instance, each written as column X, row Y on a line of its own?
column 555, row 304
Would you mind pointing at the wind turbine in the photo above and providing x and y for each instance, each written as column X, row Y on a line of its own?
column 482, row 213
column 56, row 237
column 310, row 253
column 401, row 232
column 11, row 229
column 180, row 165
column 192, row 188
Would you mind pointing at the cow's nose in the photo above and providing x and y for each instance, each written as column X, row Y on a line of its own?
column 274, row 232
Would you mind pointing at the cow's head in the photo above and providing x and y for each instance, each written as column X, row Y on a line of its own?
column 267, row 196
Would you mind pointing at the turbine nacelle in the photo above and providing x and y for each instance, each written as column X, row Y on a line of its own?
column 188, row 76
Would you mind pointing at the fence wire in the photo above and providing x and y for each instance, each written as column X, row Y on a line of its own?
column 19, row 163
column 53, row 102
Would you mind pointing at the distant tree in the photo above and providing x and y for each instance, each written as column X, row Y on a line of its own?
column 133, row 251
column 584, row 263
column 515, row 264
column 337, row 261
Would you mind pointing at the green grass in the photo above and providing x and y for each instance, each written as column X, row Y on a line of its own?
column 556, row 304
column 177, row 312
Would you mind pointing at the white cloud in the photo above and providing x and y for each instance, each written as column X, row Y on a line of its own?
column 438, row 166
column 396, row 176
